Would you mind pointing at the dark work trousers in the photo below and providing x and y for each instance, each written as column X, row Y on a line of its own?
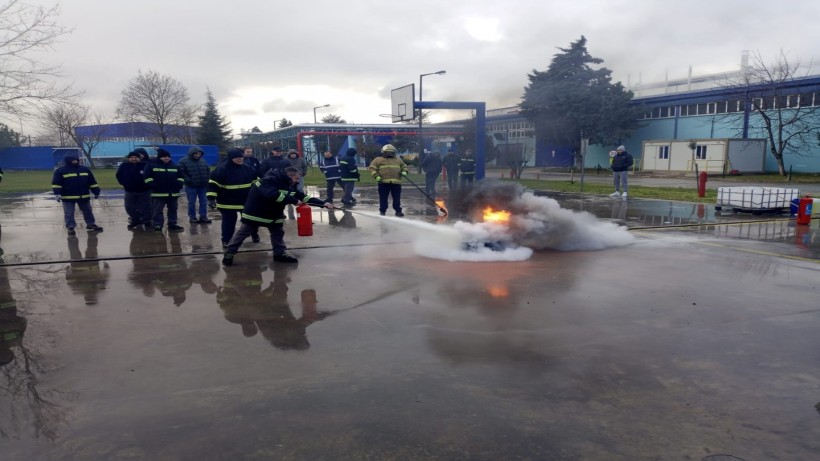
column 452, row 180
column 331, row 183
column 159, row 204
column 430, row 183
column 277, row 237
column 138, row 207
column 348, row 187
column 229, row 218
column 386, row 189
column 85, row 207
column 467, row 178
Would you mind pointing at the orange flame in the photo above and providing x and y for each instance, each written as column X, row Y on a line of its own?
column 498, row 291
column 501, row 216
column 440, row 203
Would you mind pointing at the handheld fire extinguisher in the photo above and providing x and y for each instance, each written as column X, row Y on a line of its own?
column 304, row 221
column 804, row 210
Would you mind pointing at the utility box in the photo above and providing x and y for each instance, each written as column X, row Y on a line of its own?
column 755, row 198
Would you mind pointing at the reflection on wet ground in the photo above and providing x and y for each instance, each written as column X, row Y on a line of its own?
column 700, row 339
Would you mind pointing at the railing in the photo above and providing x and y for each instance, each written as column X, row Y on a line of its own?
column 711, row 166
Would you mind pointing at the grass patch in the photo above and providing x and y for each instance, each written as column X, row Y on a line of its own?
column 661, row 193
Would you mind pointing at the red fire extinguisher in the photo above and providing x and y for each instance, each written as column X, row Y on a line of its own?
column 804, row 210
column 304, row 221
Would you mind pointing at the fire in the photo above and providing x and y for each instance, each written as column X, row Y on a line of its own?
column 440, row 203
column 498, row 291
column 500, row 217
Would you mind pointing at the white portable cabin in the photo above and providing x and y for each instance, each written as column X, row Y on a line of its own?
column 710, row 155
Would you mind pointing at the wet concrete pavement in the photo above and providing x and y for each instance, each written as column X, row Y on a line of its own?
column 700, row 339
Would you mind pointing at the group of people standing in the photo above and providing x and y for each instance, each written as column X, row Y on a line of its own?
column 453, row 165
column 240, row 187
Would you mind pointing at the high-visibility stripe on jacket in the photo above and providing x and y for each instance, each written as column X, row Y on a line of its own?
column 74, row 182
column 230, row 184
column 164, row 179
column 387, row 169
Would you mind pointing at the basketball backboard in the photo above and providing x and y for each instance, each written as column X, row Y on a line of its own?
column 402, row 104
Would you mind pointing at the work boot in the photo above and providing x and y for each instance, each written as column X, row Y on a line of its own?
column 227, row 259
column 94, row 228
column 285, row 258
column 71, row 231
column 157, row 228
column 399, row 214
column 615, row 194
column 381, row 213
column 255, row 238
column 624, row 196
column 175, row 228
column 193, row 220
column 204, row 220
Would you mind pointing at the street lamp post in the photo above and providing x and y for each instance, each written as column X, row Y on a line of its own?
column 314, row 111
column 421, row 112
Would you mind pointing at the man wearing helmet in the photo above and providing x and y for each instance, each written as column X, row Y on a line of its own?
column 388, row 171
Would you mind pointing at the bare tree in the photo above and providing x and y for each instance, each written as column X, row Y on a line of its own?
column 64, row 119
column 788, row 119
column 161, row 100
column 25, row 82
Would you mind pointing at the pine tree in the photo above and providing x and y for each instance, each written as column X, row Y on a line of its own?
column 284, row 123
column 213, row 129
column 8, row 137
column 575, row 98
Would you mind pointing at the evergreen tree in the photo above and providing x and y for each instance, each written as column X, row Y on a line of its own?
column 8, row 137
column 213, row 129
column 333, row 118
column 572, row 100
column 284, row 123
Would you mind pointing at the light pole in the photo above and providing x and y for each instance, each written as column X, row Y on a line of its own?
column 314, row 111
column 421, row 112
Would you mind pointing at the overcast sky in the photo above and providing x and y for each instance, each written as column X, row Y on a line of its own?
column 268, row 59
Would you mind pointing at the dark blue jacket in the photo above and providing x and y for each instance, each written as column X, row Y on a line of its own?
column 348, row 168
column 163, row 179
column 467, row 165
column 74, row 182
column 622, row 161
column 277, row 163
column 130, row 176
column 229, row 185
column 432, row 165
column 269, row 196
column 330, row 167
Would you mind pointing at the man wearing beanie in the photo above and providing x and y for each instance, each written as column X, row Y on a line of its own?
column 195, row 171
column 73, row 185
column 137, row 195
column 165, row 181
column 228, row 189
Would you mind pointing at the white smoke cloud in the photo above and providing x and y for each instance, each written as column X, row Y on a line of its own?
column 541, row 223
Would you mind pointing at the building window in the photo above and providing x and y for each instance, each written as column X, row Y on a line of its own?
column 692, row 109
column 700, row 153
column 683, row 111
column 734, row 105
column 664, row 112
column 663, row 152
column 721, row 107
